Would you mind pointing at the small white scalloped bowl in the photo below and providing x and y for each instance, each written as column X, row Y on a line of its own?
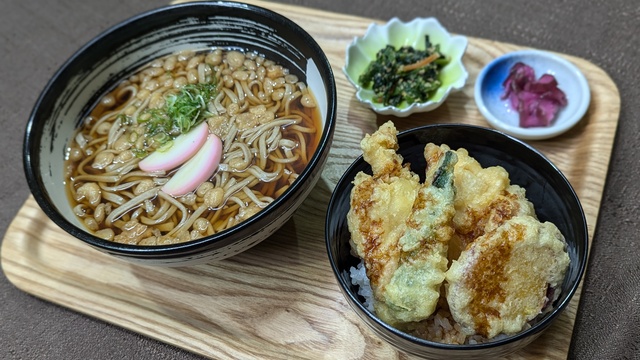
column 498, row 112
column 362, row 50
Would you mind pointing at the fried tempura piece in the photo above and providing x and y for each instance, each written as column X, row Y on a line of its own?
column 401, row 227
column 503, row 279
column 485, row 199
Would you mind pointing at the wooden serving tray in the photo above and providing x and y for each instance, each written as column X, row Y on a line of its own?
column 280, row 298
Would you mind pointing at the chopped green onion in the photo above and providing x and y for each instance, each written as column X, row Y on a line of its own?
column 182, row 111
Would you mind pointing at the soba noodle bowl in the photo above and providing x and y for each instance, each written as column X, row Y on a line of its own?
column 265, row 118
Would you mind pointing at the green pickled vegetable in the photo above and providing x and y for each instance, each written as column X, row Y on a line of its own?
column 403, row 76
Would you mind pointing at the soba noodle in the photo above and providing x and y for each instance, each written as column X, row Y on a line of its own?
column 265, row 117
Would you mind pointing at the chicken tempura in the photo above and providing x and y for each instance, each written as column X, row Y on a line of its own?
column 506, row 264
column 506, row 277
column 485, row 199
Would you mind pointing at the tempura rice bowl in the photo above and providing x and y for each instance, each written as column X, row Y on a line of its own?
column 547, row 188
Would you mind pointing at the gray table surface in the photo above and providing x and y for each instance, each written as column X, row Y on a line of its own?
column 37, row 37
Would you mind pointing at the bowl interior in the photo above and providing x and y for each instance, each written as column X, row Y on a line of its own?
column 546, row 187
column 120, row 51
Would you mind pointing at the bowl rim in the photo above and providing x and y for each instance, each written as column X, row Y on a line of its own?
column 31, row 139
column 535, row 133
column 361, row 310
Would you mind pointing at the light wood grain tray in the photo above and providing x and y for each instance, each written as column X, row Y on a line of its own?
column 280, row 298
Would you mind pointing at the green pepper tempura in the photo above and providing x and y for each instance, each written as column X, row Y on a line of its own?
column 404, row 76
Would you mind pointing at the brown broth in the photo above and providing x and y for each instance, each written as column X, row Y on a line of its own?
column 312, row 119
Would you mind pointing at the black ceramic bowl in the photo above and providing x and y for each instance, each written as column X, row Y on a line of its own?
column 552, row 195
column 117, row 53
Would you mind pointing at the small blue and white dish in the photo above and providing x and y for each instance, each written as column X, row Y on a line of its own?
column 498, row 111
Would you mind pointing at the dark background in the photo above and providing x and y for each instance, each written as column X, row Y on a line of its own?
column 37, row 37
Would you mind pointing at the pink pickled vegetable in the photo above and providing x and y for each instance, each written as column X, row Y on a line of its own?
column 536, row 101
column 183, row 148
column 197, row 170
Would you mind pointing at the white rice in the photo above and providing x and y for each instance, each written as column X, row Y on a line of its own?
column 359, row 277
column 439, row 327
